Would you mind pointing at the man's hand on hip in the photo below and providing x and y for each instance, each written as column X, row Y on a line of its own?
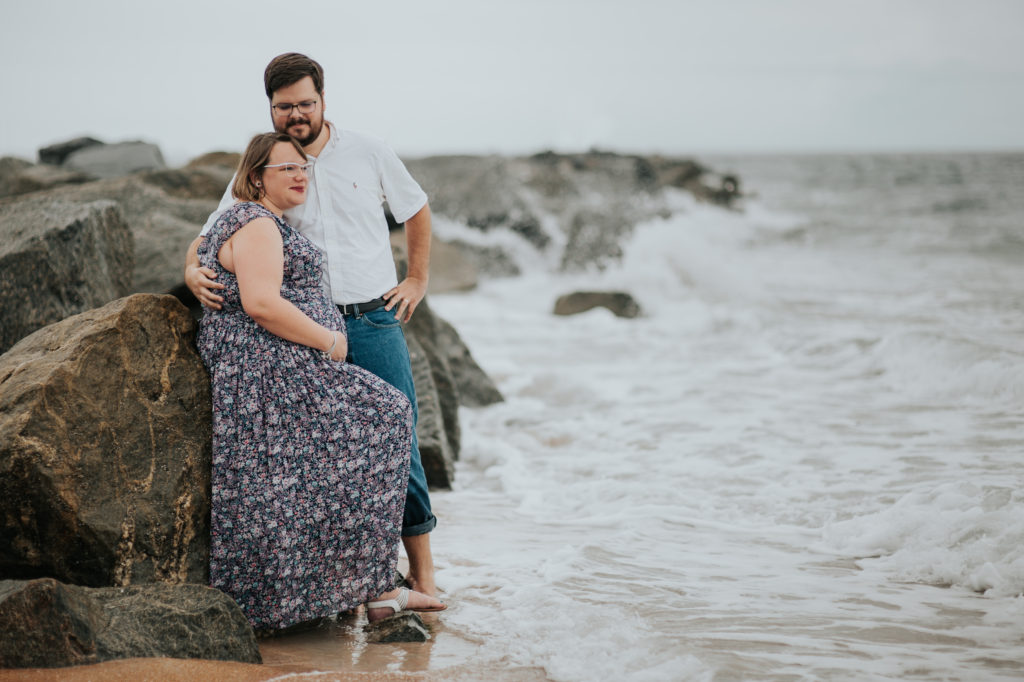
column 199, row 281
column 407, row 295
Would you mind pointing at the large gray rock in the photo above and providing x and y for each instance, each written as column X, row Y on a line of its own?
column 38, row 179
column 163, row 208
column 191, row 182
column 434, row 434
column 443, row 368
column 581, row 206
column 47, row 624
column 452, row 268
column 11, row 169
column 115, row 160
column 485, row 192
column 58, row 258
column 105, row 436
column 595, row 236
column 474, row 387
column 225, row 160
column 164, row 213
column 55, row 154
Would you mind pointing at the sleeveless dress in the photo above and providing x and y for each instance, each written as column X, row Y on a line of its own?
column 310, row 455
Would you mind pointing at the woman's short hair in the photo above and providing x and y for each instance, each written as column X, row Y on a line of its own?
column 250, row 168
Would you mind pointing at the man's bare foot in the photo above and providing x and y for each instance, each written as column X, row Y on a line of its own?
column 407, row 600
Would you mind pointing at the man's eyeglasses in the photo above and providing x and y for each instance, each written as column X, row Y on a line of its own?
column 292, row 169
column 285, row 108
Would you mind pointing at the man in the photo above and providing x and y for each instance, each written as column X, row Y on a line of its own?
column 343, row 215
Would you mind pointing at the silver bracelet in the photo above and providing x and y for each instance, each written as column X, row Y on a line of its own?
column 327, row 353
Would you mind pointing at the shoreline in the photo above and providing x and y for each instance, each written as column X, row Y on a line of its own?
column 186, row 670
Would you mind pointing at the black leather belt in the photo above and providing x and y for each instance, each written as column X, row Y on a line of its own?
column 358, row 309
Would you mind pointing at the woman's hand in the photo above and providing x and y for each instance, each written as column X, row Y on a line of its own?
column 340, row 346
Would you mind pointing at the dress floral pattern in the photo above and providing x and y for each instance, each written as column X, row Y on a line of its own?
column 310, row 455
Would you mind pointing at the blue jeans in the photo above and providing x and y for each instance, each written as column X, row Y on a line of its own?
column 377, row 344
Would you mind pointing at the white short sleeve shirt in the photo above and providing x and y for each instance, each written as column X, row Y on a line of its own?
column 343, row 213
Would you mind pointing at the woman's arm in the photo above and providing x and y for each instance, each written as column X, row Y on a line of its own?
column 255, row 253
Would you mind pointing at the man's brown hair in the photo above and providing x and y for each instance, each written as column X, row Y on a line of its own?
column 250, row 168
column 286, row 69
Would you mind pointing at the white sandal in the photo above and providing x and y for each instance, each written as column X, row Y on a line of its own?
column 401, row 602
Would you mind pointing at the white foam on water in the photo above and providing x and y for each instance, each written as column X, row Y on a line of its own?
column 951, row 534
column 952, row 367
column 794, row 465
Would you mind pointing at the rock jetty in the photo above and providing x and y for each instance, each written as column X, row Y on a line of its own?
column 105, row 416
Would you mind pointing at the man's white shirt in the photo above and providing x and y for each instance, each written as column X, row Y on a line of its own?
column 342, row 214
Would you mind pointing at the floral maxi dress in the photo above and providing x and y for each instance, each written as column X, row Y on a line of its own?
column 310, row 455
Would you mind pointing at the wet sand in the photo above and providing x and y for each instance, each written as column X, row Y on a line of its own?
column 334, row 650
column 175, row 670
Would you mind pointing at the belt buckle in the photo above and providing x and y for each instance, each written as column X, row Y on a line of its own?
column 358, row 309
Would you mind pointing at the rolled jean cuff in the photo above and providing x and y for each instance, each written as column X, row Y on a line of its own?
column 420, row 528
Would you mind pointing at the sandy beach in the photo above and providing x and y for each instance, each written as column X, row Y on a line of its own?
column 335, row 651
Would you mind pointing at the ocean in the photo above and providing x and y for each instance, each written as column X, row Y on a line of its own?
column 802, row 462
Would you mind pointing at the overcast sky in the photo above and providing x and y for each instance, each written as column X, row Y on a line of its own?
column 669, row 76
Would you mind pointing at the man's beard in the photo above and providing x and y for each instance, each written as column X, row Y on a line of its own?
column 314, row 130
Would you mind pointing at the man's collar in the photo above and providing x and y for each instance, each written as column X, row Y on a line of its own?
column 332, row 140
column 332, row 137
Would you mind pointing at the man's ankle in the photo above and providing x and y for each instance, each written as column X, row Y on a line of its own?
column 425, row 586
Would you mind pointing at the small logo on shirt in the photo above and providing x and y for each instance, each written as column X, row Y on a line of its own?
column 354, row 186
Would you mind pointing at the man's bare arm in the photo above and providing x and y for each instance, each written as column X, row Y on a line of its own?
column 411, row 290
column 199, row 280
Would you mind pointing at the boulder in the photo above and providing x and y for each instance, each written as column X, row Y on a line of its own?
column 164, row 215
column 38, row 179
column 200, row 182
column 578, row 207
column 495, row 261
column 484, row 192
column 47, row 624
column 105, row 437
column 437, row 451
column 115, row 160
column 227, row 160
column 474, row 387
column 619, row 302
column 57, row 153
column 57, row 258
column 440, row 360
column 11, row 169
column 595, row 237
column 18, row 176
column 446, row 376
column 450, row 268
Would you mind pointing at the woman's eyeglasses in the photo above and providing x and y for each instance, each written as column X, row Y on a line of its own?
column 292, row 169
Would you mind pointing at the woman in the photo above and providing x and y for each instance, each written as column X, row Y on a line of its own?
column 310, row 455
